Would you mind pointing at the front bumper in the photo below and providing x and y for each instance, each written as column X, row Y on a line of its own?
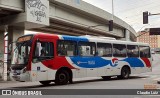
column 20, row 77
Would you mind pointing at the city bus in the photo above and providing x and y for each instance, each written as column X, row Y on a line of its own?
column 61, row 58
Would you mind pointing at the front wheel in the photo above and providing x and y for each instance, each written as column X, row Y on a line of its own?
column 125, row 72
column 62, row 77
column 45, row 82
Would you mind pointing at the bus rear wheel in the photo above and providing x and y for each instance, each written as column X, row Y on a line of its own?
column 125, row 72
column 62, row 77
column 45, row 82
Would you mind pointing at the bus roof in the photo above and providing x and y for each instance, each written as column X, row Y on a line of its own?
column 93, row 39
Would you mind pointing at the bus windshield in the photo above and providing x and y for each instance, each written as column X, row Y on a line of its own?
column 21, row 52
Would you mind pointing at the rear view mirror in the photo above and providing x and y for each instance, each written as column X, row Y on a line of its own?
column 10, row 48
column 37, row 50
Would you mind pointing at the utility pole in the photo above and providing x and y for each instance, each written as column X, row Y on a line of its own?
column 112, row 9
column 112, row 18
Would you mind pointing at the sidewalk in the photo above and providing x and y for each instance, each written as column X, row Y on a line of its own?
column 1, row 81
column 8, row 81
column 13, row 84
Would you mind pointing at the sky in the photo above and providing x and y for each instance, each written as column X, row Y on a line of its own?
column 131, row 11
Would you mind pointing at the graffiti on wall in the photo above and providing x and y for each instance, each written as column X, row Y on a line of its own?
column 37, row 9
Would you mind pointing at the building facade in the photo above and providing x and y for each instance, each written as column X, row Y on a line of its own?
column 153, row 40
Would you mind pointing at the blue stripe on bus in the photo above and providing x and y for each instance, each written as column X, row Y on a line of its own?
column 75, row 38
column 90, row 62
column 97, row 62
column 134, row 62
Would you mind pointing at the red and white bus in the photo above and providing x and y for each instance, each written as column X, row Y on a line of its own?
column 60, row 58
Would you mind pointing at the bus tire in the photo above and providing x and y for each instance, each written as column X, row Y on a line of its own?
column 45, row 82
column 106, row 77
column 62, row 77
column 125, row 72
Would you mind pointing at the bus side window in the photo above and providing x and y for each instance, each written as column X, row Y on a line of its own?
column 43, row 50
column 144, row 51
column 119, row 50
column 132, row 51
column 66, row 48
column 104, row 49
column 87, row 48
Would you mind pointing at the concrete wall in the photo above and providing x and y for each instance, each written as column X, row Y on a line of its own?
column 90, row 11
column 74, row 17
column 14, row 33
column 16, row 5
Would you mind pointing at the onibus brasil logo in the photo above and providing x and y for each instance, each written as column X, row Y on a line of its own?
column 23, row 92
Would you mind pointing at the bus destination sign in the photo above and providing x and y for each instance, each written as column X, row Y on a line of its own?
column 25, row 38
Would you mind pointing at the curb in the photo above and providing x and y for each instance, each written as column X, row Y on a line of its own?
column 8, row 82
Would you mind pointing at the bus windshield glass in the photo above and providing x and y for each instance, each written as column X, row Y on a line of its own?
column 21, row 51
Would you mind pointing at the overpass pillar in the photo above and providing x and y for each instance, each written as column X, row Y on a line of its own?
column 1, row 53
column 13, row 34
column 127, row 35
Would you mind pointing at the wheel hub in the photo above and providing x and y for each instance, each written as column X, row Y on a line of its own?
column 125, row 73
column 62, row 77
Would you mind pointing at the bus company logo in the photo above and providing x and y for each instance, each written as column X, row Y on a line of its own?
column 79, row 62
column 114, row 62
column 6, row 92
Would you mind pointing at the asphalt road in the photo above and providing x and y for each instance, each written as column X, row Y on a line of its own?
column 134, row 82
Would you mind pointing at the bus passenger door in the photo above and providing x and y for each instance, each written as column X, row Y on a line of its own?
column 42, row 59
column 85, row 66
column 87, row 51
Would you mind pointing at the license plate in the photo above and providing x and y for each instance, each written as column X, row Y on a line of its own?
column 16, row 77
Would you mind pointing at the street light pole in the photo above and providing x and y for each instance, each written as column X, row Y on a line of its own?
column 112, row 9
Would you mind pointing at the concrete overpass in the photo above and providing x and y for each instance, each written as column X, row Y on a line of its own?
column 72, row 17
